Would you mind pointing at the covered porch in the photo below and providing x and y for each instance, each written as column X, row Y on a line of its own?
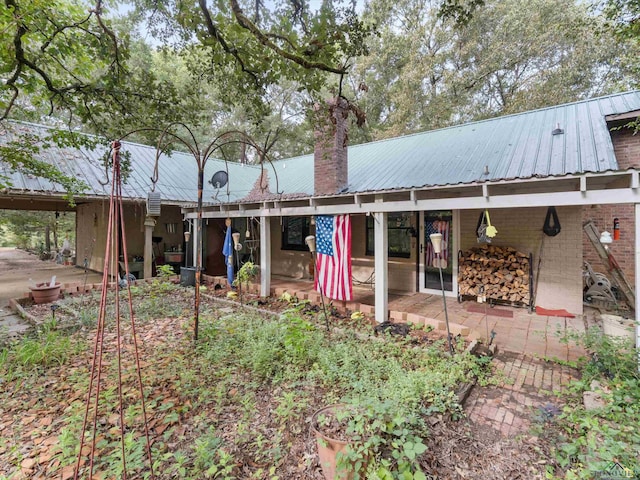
column 516, row 329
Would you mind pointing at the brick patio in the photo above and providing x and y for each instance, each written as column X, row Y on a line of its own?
column 535, row 335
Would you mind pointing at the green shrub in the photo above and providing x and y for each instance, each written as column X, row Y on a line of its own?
column 592, row 439
column 165, row 271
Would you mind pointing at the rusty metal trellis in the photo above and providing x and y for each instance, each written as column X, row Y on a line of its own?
column 115, row 232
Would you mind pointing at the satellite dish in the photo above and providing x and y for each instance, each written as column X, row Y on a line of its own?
column 219, row 179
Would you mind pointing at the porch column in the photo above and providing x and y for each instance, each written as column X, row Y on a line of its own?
column 194, row 244
column 149, row 223
column 265, row 256
column 637, row 279
column 381, row 249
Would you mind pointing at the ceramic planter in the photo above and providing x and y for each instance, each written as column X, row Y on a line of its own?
column 45, row 293
column 329, row 448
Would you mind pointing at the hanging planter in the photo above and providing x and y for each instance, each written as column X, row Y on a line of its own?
column 45, row 292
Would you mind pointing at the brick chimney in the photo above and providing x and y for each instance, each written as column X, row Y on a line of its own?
column 330, row 165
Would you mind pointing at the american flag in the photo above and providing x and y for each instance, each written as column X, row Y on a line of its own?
column 333, row 256
column 437, row 226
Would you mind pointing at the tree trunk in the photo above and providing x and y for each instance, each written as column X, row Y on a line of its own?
column 47, row 238
column 55, row 237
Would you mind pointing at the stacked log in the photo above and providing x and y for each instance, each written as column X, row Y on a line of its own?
column 503, row 271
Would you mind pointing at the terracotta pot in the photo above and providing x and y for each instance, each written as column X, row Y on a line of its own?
column 328, row 449
column 44, row 293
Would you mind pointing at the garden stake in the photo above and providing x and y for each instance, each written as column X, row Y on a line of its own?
column 115, row 224
column 444, row 301
column 436, row 241
column 311, row 243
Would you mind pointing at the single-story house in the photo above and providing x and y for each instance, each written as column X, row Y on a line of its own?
column 578, row 157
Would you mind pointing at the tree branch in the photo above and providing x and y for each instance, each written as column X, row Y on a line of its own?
column 215, row 33
column 263, row 38
column 60, row 29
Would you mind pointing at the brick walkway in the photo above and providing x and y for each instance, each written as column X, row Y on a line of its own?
column 528, row 391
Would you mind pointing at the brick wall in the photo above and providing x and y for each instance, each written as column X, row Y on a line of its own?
column 627, row 149
column 623, row 249
column 560, row 281
column 330, row 153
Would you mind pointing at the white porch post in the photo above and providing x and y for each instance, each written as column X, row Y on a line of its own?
column 637, row 279
column 149, row 223
column 265, row 256
column 194, row 244
column 381, row 249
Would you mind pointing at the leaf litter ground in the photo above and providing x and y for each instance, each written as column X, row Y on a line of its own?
column 208, row 416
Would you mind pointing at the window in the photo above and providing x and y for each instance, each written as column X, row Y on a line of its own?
column 294, row 231
column 399, row 232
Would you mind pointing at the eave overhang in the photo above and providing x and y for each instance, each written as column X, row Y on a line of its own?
column 584, row 189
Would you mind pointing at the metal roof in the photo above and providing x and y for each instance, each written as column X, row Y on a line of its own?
column 177, row 181
column 512, row 146
column 516, row 146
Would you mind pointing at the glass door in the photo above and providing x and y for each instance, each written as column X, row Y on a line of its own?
column 444, row 222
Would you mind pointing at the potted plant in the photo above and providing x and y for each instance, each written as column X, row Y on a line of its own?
column 331, row 428
column 370, row 437
column 45, row 292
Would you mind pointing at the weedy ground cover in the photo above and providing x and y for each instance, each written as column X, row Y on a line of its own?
column 236, row 405
column 590, row 442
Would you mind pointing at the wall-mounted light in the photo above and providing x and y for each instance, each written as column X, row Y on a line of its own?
column 187, row 236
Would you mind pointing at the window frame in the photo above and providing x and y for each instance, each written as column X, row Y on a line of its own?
column 393, row 216
column 306, row 230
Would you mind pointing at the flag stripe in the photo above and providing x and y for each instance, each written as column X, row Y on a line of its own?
column 333, row 256
column 437, row 226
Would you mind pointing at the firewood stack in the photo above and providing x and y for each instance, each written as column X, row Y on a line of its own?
column 503, row 271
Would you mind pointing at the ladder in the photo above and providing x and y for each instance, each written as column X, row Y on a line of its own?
column 609, row 260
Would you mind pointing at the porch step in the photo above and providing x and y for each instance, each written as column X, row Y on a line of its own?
column 394, row 316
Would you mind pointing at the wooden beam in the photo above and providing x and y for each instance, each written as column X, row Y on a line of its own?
column 558, row 199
